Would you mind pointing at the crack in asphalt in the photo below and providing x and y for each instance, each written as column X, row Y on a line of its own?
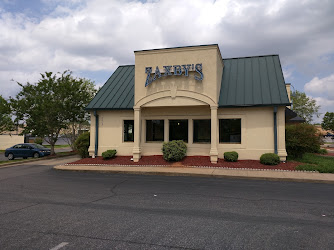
column 114, row 194
column 112, row 190
column 226, row 197
column 99, row 238
column 22, row 208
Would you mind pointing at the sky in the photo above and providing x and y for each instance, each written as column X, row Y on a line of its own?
column 93, row 37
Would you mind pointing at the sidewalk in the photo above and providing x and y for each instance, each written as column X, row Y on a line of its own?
column 206, row 172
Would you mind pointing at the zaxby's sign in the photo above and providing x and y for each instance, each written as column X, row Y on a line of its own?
column 175, row 70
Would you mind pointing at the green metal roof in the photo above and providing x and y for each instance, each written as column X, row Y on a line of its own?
column 253, row 81
column 247, row 81
column 117, row 92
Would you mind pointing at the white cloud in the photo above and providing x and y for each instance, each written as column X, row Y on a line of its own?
column 321, row 86
column 326, row 105
column 101, row 34
column 322, row 90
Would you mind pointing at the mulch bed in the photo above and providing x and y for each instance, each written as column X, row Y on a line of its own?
column 200, row 161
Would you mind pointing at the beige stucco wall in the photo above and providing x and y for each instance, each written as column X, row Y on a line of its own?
column 166, row 88
column 7, row 141
column 111, row 132
column 257, row 133
column 288, row 90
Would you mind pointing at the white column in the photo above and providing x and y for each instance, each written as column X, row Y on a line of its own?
column 281, row 151
column 137, row 130
column 166, row 130
column 214, row 135
column 190, row 131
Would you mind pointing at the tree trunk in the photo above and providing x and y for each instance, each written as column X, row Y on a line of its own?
column 73, row 137
column 52, row 144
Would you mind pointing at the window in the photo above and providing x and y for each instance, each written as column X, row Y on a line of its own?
column 178, row 130
column 202, row 131
column 230, row 131
column 155, row 130
column 128, row 130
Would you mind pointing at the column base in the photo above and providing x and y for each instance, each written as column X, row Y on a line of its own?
column 136, row 154
column 282, row 154
column 214, row 156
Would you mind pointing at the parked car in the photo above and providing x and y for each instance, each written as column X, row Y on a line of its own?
column 329, row 135
column 26, row 150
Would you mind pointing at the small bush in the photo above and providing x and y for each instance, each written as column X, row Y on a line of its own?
column 301, row 138
column 269, row 159
column 323, row 151
column 38, row 141
column 174, row 150
column 82, row 144
column 231, row 156
column 109, row 154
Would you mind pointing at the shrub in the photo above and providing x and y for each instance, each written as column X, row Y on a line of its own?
column 82, row 144
column 174, row 150
column 38, row 140
column 301, row 138
column 269, row 159
column 231, row 156
column 323, row 151
column 109, row 154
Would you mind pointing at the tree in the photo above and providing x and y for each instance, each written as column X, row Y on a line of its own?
column 73, row 130
column 6, row 122
column 304, row 106
column 52, row 104
column 328, row 121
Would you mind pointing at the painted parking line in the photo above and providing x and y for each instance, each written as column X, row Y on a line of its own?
column 59, row 246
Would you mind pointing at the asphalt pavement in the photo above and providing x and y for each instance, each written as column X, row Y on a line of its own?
column 42, row 208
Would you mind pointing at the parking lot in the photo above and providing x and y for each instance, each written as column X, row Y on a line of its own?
column 41, row 208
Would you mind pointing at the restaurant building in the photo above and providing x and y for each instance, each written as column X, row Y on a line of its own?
column 192, row 94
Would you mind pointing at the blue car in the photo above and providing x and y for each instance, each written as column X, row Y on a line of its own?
column 26, row 150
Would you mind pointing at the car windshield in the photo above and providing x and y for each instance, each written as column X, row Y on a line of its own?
column 37, row 146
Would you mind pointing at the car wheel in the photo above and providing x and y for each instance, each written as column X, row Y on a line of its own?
column 10, row 156
column 36, row 155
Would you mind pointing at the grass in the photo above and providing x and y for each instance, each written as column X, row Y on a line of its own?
column 3, row 162
column 322, row 164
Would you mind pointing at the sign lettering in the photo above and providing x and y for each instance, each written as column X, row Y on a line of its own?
column 178, row 70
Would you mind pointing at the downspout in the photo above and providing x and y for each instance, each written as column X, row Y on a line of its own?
column 96, row 132
column 275, row 130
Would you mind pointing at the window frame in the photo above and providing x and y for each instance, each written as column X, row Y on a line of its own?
column 163, row 135
column 169, row 130
column 133, row 129
column 241, row 130
column 193, row 130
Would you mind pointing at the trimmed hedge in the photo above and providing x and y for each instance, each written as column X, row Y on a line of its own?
column 82, row 144
column 231, row 156
column 109, row 154
column 301, row 138
column 174, row 150
column 269, row 159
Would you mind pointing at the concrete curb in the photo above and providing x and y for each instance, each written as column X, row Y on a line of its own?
column 206, row 172
column 33, row 160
